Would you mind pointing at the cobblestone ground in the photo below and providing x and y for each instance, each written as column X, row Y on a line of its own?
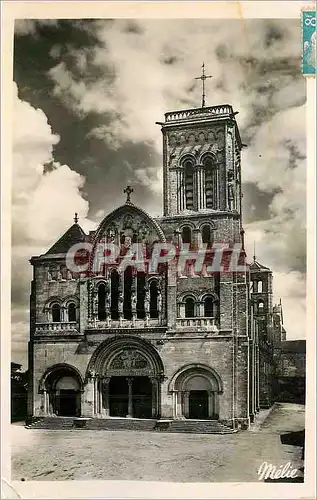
column 124, row 455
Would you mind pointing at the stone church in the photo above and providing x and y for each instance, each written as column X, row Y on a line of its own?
column 163, row 344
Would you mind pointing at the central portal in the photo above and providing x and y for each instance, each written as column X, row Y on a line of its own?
column 130, row 397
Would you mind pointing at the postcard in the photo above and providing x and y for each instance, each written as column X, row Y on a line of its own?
column 158, row 249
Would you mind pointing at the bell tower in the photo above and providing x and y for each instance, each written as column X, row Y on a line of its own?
column 201, row 160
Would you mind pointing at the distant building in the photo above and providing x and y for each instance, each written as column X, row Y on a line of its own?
column 292, row 371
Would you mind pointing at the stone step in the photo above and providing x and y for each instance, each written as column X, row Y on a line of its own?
column 117, row 424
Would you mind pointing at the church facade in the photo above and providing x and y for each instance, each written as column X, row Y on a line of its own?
column 182, row 334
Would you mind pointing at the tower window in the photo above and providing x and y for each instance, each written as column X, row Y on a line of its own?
column 71, row 310
column 210, row 184
column 56, row 313
column 189, row 184
column 189, row 308
column 186, row 235
column 208, row 307
column 260, row 286
column 206, row 234
column 101, row 302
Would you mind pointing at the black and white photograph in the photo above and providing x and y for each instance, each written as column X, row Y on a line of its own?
column 159, row 249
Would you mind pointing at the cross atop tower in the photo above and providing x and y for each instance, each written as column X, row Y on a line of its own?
column 76, row 218
column 128, row 190
column 203, row 77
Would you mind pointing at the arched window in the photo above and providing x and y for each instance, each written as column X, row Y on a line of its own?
column 206, row 234
column 260, row 306
column 210, row 183
column 260, row 287
column 71, row 310
column 114, row 294
column 153, row 299
column 208, row 307
column 189, row 308
column 186, row 234
column 140, row 295
column 56, row 313
column 127, row 306
column 102, row 302
column 189, row 184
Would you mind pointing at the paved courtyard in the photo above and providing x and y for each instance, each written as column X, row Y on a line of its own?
column 124, row 455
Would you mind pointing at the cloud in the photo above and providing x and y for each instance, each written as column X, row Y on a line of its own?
column 43, row 201
column 30, row 26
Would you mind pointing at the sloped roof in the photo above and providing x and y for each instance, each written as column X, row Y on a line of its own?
column 256, row 266
column 73, row 235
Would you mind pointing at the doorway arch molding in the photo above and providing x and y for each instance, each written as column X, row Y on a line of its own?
column 56, row 371
column 195, row 390
column 102, row 358
column 183, row 374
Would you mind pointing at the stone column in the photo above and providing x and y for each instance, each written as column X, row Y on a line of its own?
column 179, row 410
column 186, row 403
column 130, row 398
column 211, row 404
column 105, row 396
column 45, row 402
column 88, row 405
column 155, row 402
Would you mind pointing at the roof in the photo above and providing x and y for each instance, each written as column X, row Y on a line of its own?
column 256, row 266
column 297, row 346
column 73, row 235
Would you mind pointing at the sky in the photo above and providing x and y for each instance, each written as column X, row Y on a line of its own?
column 87, row 94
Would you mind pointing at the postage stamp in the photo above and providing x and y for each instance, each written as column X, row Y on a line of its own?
column 309, row 42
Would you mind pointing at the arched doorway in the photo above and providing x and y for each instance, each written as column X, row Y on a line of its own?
column 61, row 386
column 138, row 404
column 128, row 372
column 196, row 389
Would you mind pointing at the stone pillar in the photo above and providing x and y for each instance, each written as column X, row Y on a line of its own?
column 197, row 240
column 179, row 409
column 89, row 397
column 130, row 398
column 211, row 404
column 45, row 403
column 155, row 394
column 105, row 396
column 186, row 403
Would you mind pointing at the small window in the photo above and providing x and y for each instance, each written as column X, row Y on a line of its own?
column 56, row 313
column 153, row 299
column 206, row 234
column 260, row 306
column 189, row 308
column 102, row 302
column 260, row 287
column 208, row 307
column 186, row 235
column 71, row 312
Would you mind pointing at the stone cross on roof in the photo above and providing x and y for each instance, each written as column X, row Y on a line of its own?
column 128, row 190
